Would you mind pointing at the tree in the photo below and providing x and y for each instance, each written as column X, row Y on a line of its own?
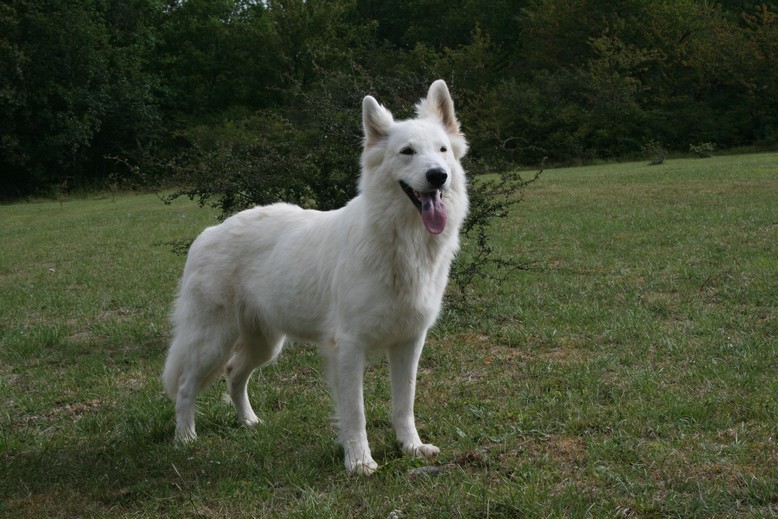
column 561, row 80
column 73, row 90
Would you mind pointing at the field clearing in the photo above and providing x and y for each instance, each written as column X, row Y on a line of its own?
column 631, row 370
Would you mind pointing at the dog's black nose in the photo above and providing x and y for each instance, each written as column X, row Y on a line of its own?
column 436, row 177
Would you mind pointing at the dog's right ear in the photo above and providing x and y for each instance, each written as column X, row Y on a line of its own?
column 376, row 120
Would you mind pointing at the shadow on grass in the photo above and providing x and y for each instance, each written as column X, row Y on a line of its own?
column 107, row 462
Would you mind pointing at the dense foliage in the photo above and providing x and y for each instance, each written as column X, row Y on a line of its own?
column 173, row 85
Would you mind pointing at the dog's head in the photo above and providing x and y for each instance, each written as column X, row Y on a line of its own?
column 419, row 156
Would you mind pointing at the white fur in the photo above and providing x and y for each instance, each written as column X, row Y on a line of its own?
column 365, row 277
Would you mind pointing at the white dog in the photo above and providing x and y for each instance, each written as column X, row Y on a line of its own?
column 369, row 276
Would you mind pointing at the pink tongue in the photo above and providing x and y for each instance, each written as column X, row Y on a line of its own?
column 433, row 212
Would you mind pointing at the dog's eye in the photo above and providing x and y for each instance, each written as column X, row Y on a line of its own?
column 443, row 149
column 408, row 151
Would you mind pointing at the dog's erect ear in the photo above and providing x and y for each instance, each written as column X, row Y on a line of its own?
column 439, row 104
column 376, row 120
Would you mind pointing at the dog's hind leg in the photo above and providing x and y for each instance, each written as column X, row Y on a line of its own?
column 196, row 357
column 251, row 352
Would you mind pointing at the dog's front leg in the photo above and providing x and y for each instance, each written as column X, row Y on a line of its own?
column 346, row 374
column 403, row 365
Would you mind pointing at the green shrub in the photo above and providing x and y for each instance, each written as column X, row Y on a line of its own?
column 703, row 149
column 655, row 152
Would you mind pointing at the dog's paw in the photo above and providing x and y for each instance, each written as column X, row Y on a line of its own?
column 251, row 421
column 358, row 459
column 184, row 437
column 424, row 450
column 362, row 468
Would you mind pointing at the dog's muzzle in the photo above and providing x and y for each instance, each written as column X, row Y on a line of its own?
column 430, row 203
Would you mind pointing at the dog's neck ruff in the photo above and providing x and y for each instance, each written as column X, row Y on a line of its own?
column 431, row 207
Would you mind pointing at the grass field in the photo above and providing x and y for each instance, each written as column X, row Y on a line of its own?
column 630, row 371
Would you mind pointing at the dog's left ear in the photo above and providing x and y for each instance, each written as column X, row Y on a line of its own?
column 438, row 104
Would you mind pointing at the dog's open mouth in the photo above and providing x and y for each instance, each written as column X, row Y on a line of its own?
column 431, row 207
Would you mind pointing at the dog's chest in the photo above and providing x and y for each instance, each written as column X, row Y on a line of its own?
column 415, row 291
column 390, row 301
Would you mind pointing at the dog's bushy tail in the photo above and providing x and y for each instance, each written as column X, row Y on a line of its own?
column 178, row 354
column 202, row 343
column 173, row 368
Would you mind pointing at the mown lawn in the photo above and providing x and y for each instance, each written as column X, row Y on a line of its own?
column 630, row 370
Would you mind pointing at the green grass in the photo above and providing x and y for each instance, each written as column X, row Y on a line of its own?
column 631, row 370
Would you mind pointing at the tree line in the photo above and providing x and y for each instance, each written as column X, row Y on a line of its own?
column 93, row 91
